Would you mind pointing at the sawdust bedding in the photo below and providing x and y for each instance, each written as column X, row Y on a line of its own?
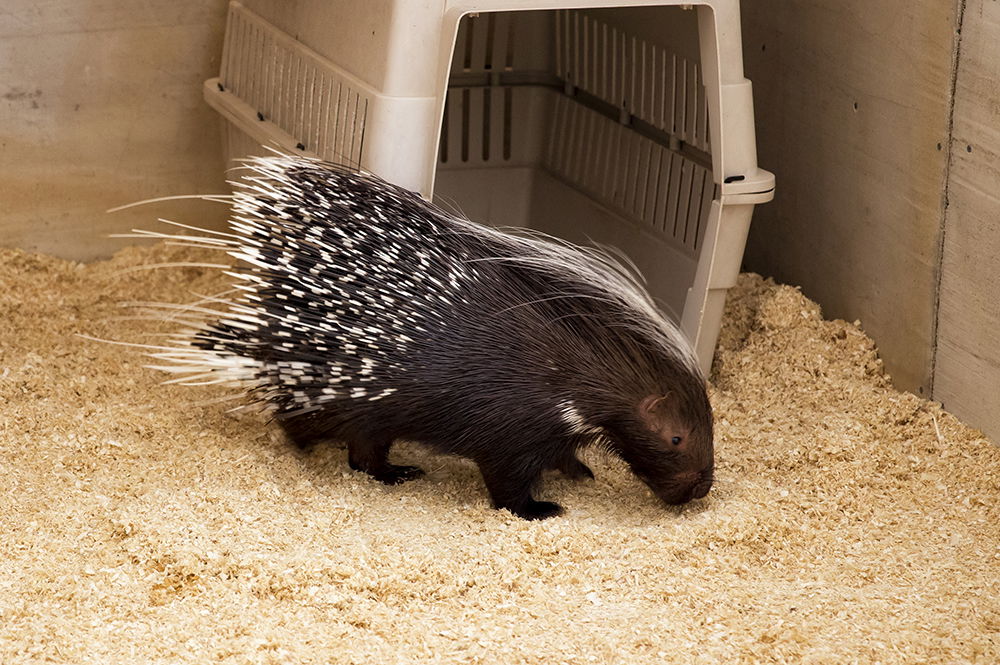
column 141, row 523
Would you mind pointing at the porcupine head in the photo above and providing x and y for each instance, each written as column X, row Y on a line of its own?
column 373, row 316
column 653, row 411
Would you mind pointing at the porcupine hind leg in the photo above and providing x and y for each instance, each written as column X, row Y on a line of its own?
column 509, row 482
column 299, row 431
column 372, row 456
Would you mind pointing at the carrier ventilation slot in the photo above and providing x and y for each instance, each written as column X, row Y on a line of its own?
column 664, row 191
column 477, row 122
column 654, row 91
column 477, row 125
column 632, row 133
column 293, row 87
column 644, row 80
column 485, row 43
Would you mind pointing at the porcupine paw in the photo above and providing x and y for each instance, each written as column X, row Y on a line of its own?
column 394, row 475
column 538, row 510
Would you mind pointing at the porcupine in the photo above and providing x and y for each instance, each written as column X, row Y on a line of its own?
column 369, row 315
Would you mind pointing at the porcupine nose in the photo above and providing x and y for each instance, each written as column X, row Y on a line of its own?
column 697, row 484
column 701, row 488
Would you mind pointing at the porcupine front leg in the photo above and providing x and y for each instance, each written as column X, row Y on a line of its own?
column 509, row 482
column 571, row 467
column 372, row 457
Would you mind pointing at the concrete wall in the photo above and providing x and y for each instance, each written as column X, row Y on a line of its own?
column 101, row 105
column 882, row 124
column 967, row 368
column 852, row 108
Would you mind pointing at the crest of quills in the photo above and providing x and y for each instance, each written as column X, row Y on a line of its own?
column 368, row 315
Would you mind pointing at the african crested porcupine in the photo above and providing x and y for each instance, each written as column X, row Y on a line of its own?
column 369, row 315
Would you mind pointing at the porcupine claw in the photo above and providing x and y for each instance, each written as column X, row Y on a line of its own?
column 394, row 475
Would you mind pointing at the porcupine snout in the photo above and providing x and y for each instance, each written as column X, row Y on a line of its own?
column 696, row 484
column 683, row 486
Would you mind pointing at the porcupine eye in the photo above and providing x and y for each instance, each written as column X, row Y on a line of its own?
column 676, row 440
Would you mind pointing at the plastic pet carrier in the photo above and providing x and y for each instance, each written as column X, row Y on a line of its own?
column 629, row 126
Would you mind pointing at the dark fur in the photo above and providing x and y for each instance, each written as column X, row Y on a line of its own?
column 489, row 375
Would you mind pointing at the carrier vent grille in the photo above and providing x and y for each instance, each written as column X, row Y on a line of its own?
column 630, row 173
column 485, row 43
column 646, row 80
column 477, row 125
column 293, row 87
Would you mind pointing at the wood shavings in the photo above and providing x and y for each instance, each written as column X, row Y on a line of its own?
column 140, row 522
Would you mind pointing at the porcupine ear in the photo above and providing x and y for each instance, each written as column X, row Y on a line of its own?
column 658, row 411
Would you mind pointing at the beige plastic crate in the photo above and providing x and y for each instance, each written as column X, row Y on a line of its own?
column 627, row 126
